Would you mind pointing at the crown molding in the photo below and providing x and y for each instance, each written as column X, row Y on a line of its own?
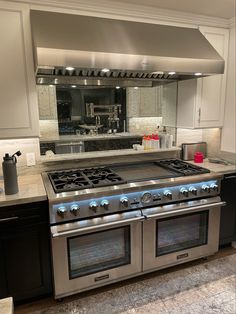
column 126, row 11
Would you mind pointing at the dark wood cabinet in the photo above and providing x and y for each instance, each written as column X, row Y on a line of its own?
column 25, row 267
column 228, row 212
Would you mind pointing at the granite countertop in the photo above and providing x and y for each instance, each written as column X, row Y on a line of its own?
column 6, row 306
column 68, row 138
column 31, row 189
column 216, row 167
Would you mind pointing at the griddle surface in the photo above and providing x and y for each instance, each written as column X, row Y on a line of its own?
column 142, row 172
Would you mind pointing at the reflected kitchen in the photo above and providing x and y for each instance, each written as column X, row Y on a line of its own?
column 75, row 119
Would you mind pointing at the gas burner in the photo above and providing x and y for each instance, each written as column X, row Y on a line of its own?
column 102, row 176
column 78, row 179
column 68, row 180
column 181, row 167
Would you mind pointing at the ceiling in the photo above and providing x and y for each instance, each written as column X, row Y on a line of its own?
column 215, row 8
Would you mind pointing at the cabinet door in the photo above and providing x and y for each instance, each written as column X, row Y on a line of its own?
column 211, row 90
column 201, row 101
column 3, row 281
column 228, row 212
column 19, row 109
column 27, row 262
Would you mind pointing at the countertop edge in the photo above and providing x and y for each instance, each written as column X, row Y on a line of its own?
column 103, row 154
column 26, row 200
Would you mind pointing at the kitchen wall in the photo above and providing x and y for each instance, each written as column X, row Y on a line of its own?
column 26, row 145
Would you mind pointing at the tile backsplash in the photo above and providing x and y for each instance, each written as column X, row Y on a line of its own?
column 188, row 136
column 144, row 125
column 48, row 129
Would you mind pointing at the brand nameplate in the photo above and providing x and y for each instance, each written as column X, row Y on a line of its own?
column 182, row 256
column 101, row 278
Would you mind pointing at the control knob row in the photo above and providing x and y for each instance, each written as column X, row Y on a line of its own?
column 213, row 187
column 74, row 209
column 185, row 192
column 94, row 205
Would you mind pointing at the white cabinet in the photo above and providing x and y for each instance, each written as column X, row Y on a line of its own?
column 201, row 101
column 18, row 101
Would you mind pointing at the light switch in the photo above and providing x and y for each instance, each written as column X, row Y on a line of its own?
column 30, row 159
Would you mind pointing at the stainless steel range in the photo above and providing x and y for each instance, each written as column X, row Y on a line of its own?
column 112, row 223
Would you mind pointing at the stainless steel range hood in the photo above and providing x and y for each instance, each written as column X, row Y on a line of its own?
column 135, row 53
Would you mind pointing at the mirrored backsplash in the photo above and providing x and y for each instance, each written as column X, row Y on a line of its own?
column 101, row 115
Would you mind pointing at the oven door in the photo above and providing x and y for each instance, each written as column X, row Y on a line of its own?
column 176, row 233
column 90, row 253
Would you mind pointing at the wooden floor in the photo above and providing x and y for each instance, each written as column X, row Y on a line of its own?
column 201, row 286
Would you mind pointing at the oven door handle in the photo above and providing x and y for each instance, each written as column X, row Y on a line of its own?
column 185, row 210
column 96, row 227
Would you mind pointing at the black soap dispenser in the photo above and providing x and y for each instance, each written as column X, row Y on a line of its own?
column 10, row 173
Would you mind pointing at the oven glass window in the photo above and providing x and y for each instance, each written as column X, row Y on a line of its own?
column 178, row 233
column 95, row 252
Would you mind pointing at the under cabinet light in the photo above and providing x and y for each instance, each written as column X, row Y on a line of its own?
column 117, row 87
column 198, row 73
column 70, row 68
column 73, row 86
column 157, row 72
column 105, row 70
column 171, row 73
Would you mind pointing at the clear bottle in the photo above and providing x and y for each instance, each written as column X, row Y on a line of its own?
column 144, row 142
column 156, row 142
column 148, row 143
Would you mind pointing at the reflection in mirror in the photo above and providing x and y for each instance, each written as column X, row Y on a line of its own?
column 77, row 119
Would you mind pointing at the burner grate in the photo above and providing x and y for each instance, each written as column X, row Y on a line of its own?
column 68, row 180
column 181, row 167
column 78, row 179
column 103, row 176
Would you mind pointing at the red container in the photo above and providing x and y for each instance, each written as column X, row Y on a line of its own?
column 198, row 157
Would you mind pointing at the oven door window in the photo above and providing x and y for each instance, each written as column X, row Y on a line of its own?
column 179, row 233
column 98, row 251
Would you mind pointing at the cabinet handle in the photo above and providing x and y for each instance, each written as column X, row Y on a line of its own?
column 199, row 115
column 230, row 178
column 9, row 219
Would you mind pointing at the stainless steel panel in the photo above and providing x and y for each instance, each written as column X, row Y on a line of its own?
column 151, row 262
column 189, row 149
column 125, row 188
column 95, row 224
column 95, row 43
column 63, row 286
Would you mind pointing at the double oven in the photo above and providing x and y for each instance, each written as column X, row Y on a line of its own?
column 135, row 229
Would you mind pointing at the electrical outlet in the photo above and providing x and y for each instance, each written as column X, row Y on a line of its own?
column 30, row 159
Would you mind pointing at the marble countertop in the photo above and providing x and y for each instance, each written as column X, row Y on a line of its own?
column 6, row 306
column 216, row 167
column 100, row 154
column 31, row 189
column 87, row 137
